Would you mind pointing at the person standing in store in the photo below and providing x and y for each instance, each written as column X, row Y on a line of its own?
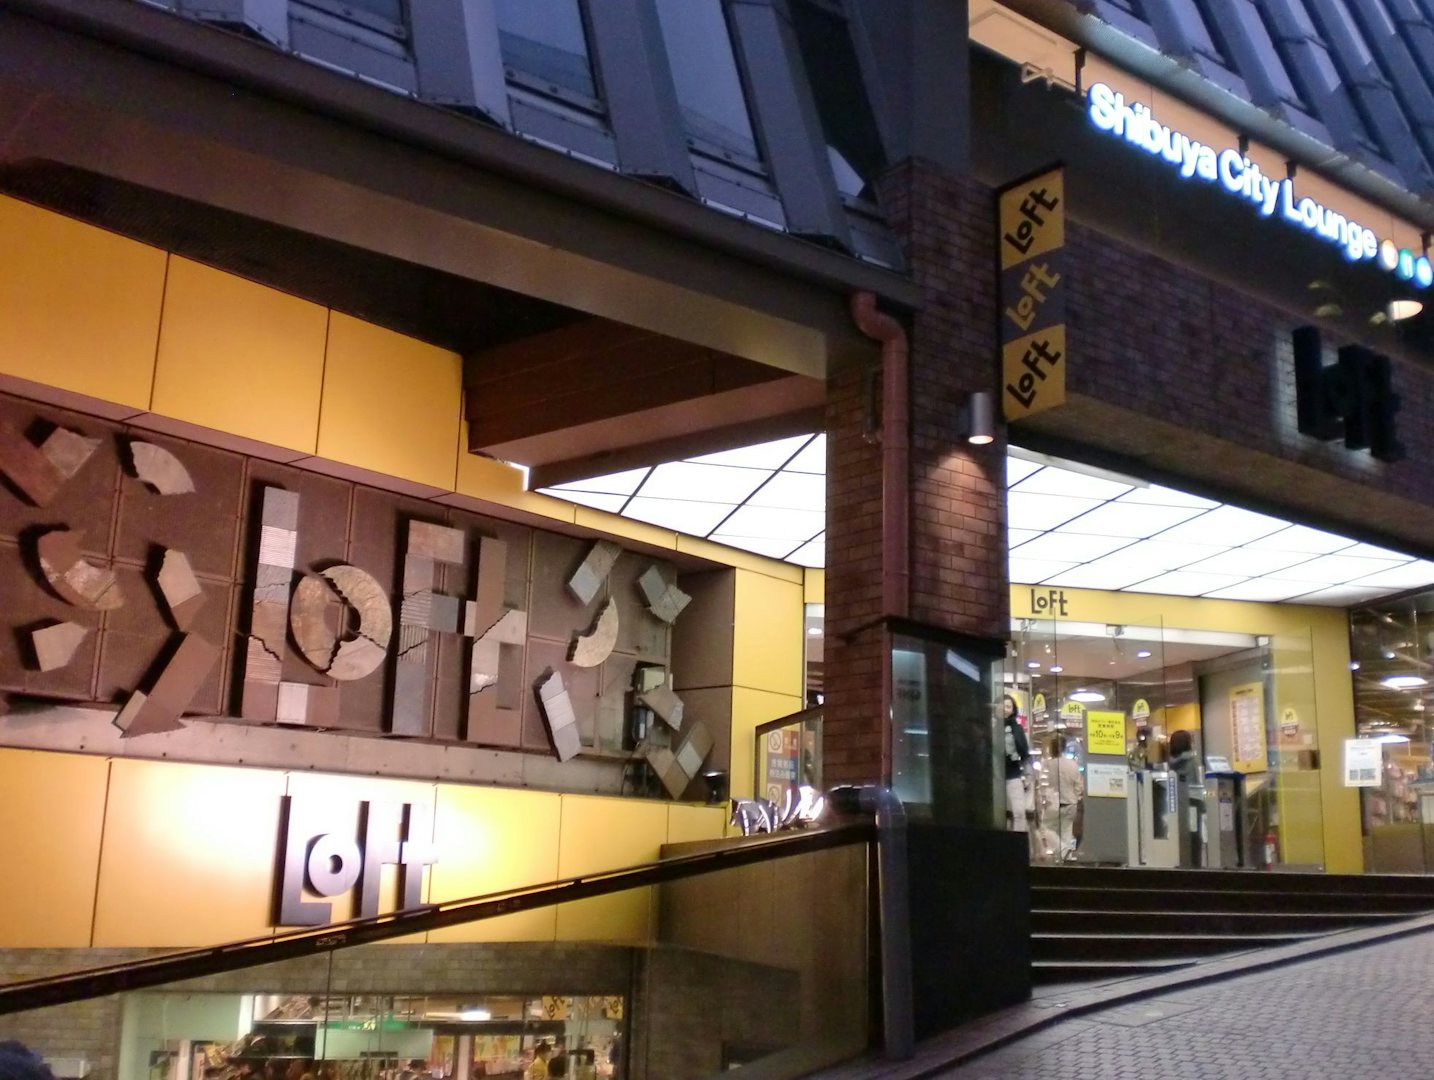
column 1017, row 753
column 538, row 1070
column 1069, row 789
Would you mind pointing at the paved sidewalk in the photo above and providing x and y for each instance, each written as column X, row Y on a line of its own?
column 1362, row 1013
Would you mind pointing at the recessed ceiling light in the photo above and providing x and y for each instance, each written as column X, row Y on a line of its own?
column 1404, row 309
column 814, row 631
column 1404, row 682
column 1056, row 669
column 1087, row 695
column 1143, row 653
column 1393, row 738
column 1033, row 664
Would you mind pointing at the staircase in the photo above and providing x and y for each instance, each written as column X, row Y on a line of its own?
column 1105, row 923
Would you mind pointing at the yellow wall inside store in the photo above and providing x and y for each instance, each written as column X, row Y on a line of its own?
column 125, row 853
column 1181, row 718
column 1320, row 682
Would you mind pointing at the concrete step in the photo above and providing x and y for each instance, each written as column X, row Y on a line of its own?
column 1123, row 947
column 1185, row 881
column 1047, row 972
column 1070, row 897
column 1118, row 922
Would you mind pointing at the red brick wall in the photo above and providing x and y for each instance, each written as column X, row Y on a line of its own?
column 957, row 511
column 853, row 736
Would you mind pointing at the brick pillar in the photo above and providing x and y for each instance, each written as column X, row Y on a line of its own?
column 957, row 505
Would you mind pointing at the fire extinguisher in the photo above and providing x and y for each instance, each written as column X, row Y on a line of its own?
column 1271, row 850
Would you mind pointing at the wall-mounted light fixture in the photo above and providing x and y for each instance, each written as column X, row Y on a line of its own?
column 981, row 418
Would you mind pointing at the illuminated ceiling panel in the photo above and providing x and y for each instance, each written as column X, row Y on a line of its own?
column 1068, row 525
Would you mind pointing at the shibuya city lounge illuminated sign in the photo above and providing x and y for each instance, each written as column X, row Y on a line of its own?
column 1241, row 178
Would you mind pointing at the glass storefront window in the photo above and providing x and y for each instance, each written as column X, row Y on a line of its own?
column 943, row 744
column 547, row 41
column 1155, row 745
column 174, row 1036
column 1392, row 651
column 709, row 85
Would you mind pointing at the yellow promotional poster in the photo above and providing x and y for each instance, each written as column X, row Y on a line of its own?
column 1031, row 222
column 1249, row 752
column 1104, row 732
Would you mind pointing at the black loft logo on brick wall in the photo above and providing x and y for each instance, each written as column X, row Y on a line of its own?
column 1353, row 397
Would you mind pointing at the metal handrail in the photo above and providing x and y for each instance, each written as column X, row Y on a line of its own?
column 234, row 956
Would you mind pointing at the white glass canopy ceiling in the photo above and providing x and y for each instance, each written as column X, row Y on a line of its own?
column 1069, row 525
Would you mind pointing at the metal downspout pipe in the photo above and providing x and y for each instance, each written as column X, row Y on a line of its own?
column 893, row 908
column 895, row 452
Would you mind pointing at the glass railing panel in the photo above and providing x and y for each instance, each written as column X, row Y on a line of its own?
column 764, row 962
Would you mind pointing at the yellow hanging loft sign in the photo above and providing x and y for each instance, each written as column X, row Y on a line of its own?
column 1031, row 223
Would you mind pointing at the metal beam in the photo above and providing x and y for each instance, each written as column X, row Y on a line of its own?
column 637, row 87
column 786, row 119
column 456, row 55
column 298, row 117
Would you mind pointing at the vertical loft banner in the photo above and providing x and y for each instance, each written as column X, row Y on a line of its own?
column 1031, row 224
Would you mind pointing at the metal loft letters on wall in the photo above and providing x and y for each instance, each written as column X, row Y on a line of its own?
column 1353, row 398
column 279, row 606
column 332, row 863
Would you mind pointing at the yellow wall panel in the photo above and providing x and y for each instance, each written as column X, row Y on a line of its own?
column 814, row 585
column 239, row 357
column 491, row 839
column 606, row 834
column 494, row 481
column 626, row 528
column 750, row 708
column 50, row 821
column 686, row 823
column 330, row 803
column 730, row 556
column 79, row 307
column 390, row 403
column 188, row 856
column 767, row 651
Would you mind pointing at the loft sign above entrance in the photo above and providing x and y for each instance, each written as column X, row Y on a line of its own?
column 330, row 855
column 1241, row 178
